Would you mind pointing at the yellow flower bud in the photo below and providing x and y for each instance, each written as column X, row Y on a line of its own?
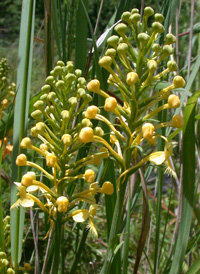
column 105, row 62
column 86, row 135
column 178, row 121
column 113, row 139
column 91, row 112
column 152, row 65
column 51, row 159
column 148, row 130
column 40, row 127
column 62, row 203
column 173, row 101
column 131, row 78
column 10, row 271
column 107, row 188
column 110, row 104
column 21, row 160
column 25, row 143
column 93, row 85
column 179, row 82
column 27, row 179
column 44, row 147
column 66, row 139
column 4, row 102
column 89, row 176
column 34, row 132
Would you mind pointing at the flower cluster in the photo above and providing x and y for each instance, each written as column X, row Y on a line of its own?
column 137, row 63
column 61, row 135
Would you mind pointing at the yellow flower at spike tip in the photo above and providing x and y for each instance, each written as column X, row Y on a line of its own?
column 24, row 199
column 160, row 157
column 81, row 215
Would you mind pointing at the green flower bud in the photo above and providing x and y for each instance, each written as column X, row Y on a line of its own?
column 135, row 18
column 122, row 48
column 44, row 98
column 126, row 16
column 152, row 65
column 134, row 11
column 60, row 84
column 81, row 81
column 157, row 27
column 172, row 66
column 2, row 255
column 50, row 80
column 72, row 101
column 143, row 37
column 170, row 39
column 159, row 17
column 4, row 262
column 121, row 29
column 39, row 105
column 111, row 52
column 40, row 127
column 81, row 92
column 37, row 115
column 48, row 109
column 70, row 77
column 70, row 66
column 156, row 48
column 105, row 62
column 98, row 131
column 167, row 50
column 78, row 72
column 51, row 96
column 148, row 11
column 58, row 70
column 87, row 98
column 46, row 88
column 60, row 63
column 113, row 41
column 86, row 123
column 65, row 115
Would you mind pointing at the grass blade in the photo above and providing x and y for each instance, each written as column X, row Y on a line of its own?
column 20, row 118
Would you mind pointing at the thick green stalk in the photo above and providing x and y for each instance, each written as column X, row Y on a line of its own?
column 2, row 239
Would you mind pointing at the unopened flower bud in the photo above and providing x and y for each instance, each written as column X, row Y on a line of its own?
column 27, row 180
column 121, row 29
column 10, row 271
column 65, row 115
column 98, row 131
column 86, row 123
column 25, row 143
column 91, row 112
column 107, row 188
column 93, row 85
column 122, row 48
column 50, row 80
column 40, row 127
column 125, row 16
column 113, row 41
column 167, row 50
column 86, row 135
column 143, row 37
column 81, row 92
column 39, row 105
column 34, row 132
column 73, row 101
column 46, row 88
column 36, row 114
column 4, row 102
column 133, row 11
column 51, row 159
column 170, row 39
column 60, row 63
column 179, row 82
column 178, row 121
column 110, row 104
column 111, row 52
column 66, row 139
column 156, row 48
column 131, row 78
column 44, row 147
column 70, row 78
column 157, row 27
column 60, row 84
column 78, row 72
column 21, row 160
column 135, row 18
column 173, row 101
column 148, row 11
column 4, row 262
column 62, row 203
column 105, row 62
column 152, row 65
column 69, row 66
column 89, row 176
column 148, row 130
column 159, row 17
column 172, row 66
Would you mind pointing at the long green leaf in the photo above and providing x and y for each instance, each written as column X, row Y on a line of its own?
column 195, row 268
column 188, row 184
column 20, row 118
